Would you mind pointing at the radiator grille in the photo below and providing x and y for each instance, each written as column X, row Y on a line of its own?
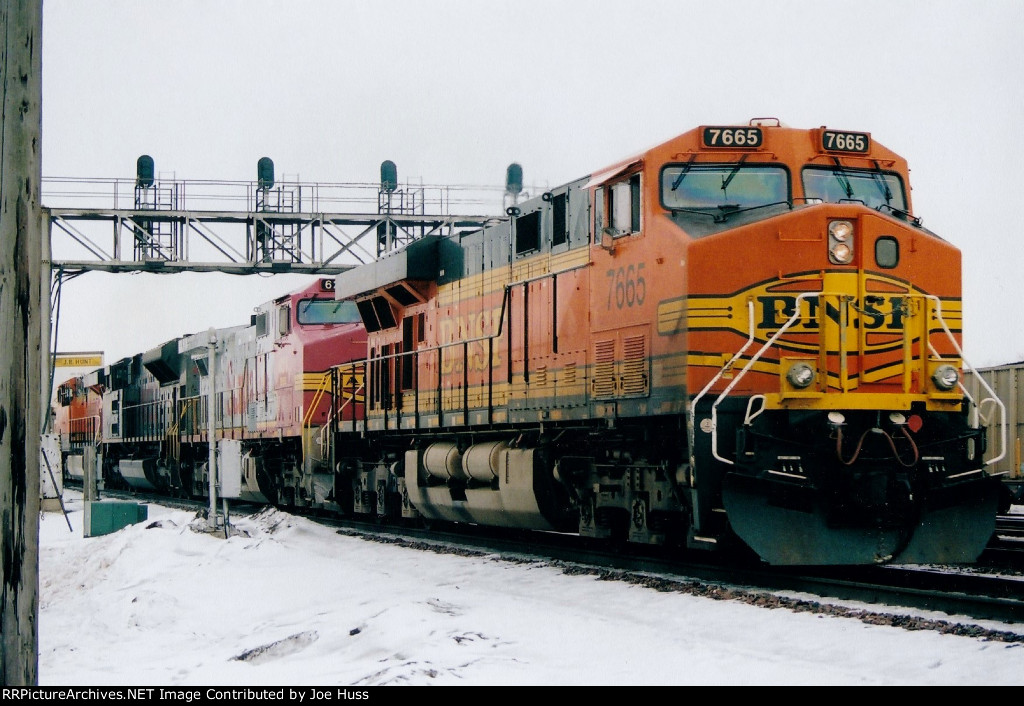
column 604, row 369
column 634, row 365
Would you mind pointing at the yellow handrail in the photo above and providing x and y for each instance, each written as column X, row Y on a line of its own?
column 185, row 407
column 318, row 395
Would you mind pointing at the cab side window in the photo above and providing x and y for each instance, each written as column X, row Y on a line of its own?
column 284, row 321
column 624, row 206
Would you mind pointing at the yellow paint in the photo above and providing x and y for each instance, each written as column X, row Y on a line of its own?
column 78, row 360
column 881, row 313
column 493, row 282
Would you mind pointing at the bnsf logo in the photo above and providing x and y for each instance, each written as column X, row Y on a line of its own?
column 877, row 321
column 474, row 328
column 881, row 320
column 876, row 312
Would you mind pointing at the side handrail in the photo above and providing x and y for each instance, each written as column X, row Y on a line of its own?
column 318, row 394
column 725, row 368
column 746, row 368
column 321, row 438
column 187, row 406
column 307, row 419
column 993, row 397
column 85, row 425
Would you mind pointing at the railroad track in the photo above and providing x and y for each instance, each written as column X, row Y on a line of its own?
column 880, row 594
column 1006, row 549
column 1010, row 528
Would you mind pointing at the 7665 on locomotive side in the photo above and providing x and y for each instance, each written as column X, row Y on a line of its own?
column 743, row 333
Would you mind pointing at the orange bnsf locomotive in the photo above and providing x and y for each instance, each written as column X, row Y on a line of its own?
column 740, row 336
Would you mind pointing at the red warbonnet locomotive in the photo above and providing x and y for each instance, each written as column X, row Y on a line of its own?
column 149, row 413
column 742, row 336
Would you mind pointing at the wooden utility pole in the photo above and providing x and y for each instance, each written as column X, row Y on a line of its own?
column 21, row 34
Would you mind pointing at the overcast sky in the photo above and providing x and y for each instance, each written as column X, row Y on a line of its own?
column 453, row 91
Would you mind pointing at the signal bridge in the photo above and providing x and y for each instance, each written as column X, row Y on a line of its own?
column 153, row 224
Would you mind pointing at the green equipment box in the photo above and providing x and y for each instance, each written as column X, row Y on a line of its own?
column 106, row 516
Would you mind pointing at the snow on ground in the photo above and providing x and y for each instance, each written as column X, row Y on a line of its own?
column 289, row 602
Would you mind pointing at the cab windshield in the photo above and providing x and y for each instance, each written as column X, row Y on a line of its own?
column 722, row 186
column 327, row 311
column 875, row 189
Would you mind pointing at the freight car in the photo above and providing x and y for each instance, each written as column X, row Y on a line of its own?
column 740, row 338
column 1007, row 380
column 743, row 333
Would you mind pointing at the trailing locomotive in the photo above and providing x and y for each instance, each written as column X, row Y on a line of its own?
column 148, row 415
column 742, row 333
column 741, row 337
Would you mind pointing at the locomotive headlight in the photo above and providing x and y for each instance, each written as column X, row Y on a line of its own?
column 946, row 377
column 800, row 375
column 841, row 253
column 840, row 230
column 840, row 242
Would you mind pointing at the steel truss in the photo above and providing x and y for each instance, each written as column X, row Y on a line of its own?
column 171, row 226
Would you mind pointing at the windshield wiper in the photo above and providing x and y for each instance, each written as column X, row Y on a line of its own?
column 882, row 184
column 733, row 173
column 840, row 174
column 683, row 173
column 693, row 210
column 732, row 209
column 900, row 213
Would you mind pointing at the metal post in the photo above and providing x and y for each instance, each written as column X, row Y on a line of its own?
column 89, row 463
column 211, row 366
column 224, row 504
column 45, row 317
